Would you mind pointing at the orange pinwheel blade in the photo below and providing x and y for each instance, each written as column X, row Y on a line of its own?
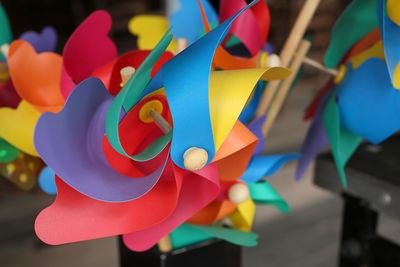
column 36, row 77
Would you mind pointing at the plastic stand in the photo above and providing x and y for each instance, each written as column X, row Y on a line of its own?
column 210, row 253
column 373, row 176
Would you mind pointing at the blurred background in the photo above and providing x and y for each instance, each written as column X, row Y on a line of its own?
column 308, row 236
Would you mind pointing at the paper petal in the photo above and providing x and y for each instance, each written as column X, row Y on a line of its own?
column 222, row 58
column 36, row 77
column 198, row 189
column 248, row 112
column 8, row 96
column 228, row 93
column 246, row 27
column 315, row 103
column 45, row 41
column 393, row 10
column 47, row 181
column 66, row 83
column 262, row 166
column 263, row 193
column 376, row 50
column 186, row 235
column 74, row 136
column 242, row 218
column 391, row 37
column 316, row 138
column 343, row 142
column 134, row 59
column 213, row 212
column 233, row 156
column 366, row 42
column 6, row 35
column 18, row 126
column 75, row 217
column 89, row 47
column 240, row 238
column 150, row 29
column 226, row 61
column 358, row 19
column 256, row 128
column 187, row 23
column 368, row 103
column 263, row 17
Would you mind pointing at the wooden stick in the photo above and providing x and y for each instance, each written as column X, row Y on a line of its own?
column 291, row 44
column 165, row 245
column 286, row 84
column 181, row 44
column 298, row 30
column 162, row 123
column 317, row 65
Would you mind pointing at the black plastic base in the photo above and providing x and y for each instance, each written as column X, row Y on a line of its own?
column 373, row 175
column 210, row 253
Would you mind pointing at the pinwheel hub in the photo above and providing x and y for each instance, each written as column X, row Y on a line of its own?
column 238, row 193
column 195, row 158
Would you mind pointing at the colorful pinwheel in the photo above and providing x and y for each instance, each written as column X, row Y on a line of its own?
column 116, row 167
column 364, row 102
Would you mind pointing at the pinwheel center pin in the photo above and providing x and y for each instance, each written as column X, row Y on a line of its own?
column 269, row 61
column 238, row 193
column 194, row 158
column 126, row 74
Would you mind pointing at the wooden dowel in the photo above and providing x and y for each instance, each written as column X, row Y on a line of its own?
column 298, row 30
column 165, row 245
column 285, row 87
column 162, row 123
column 291, row 44
column 181, row 44
column 317, row 65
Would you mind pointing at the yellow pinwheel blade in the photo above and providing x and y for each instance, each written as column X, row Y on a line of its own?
column 18, row 125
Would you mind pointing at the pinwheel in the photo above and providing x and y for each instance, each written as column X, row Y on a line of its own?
column 19, row 161
column 110, row 158
column 361, row 105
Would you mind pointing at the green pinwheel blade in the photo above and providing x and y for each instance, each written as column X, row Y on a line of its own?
column 343, row 142
column 358, row 19
column 5, row 30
